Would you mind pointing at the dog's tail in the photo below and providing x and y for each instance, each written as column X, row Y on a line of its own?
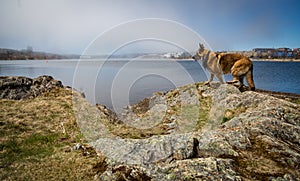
column 249, row 78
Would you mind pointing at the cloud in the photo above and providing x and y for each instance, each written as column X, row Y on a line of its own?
column 65, row 25
column 146, row 35
column 68, row 26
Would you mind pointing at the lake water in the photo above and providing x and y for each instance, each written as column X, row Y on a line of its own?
column 118, row 83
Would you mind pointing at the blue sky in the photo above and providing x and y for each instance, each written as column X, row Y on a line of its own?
column 69, row 26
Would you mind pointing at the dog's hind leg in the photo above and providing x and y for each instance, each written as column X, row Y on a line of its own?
column 241, row 80
column 249, row 78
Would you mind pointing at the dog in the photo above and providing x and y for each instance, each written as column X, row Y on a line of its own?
column 224, row 63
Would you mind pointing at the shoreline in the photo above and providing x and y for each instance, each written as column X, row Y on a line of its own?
column 275, row 60
column 153, row 59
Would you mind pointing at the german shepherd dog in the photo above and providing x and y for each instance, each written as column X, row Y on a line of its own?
column 224, row 63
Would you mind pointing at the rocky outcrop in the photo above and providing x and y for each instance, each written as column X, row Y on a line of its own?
column 235, row 136
column 23, row 87
column 194, row 132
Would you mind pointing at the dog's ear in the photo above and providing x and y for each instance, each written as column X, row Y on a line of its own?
column 201, row 45
column 218, row 55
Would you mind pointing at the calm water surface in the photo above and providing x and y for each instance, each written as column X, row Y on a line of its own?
column 119, row 82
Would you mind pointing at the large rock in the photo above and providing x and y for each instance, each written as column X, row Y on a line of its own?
column 22, row 87
column 245, row 136
column 208, row 133
column 147, row 151
column 263, row 137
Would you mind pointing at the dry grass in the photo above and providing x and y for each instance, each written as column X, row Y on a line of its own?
column 229, row 114
column 188, row 117
column 125, row 131
column 36, row 136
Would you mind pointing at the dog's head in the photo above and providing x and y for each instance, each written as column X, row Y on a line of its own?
column 199, row 53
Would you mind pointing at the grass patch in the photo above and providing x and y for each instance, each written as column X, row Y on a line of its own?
column 34, row 146
column 188, row 117
column 34, row 136
column 296, row 101
column 229, row 114
column 205, row 106
column 125, row 131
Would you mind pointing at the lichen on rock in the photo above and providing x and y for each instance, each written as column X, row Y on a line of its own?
column 22, row 87
column 242, row 136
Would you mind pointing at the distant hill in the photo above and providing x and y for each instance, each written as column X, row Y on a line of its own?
column 28, row 54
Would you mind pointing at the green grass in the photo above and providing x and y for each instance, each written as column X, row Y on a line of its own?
column 203, row 117
column 296, row 101
column 229, row 114
column 33, row 145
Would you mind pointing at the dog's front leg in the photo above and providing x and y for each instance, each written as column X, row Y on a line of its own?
column 210, row 79
column 220, row 78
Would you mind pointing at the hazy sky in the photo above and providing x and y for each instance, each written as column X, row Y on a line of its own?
column 68, row 26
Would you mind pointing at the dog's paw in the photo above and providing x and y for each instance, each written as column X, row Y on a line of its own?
column 232, row 82
column 207, row 83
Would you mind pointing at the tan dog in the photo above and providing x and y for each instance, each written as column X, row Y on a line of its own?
column 224, row 63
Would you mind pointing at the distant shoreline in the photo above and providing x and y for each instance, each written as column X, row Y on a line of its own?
column 29, row 54
column 253, row 59
column 154, row 59
column 275, row 60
